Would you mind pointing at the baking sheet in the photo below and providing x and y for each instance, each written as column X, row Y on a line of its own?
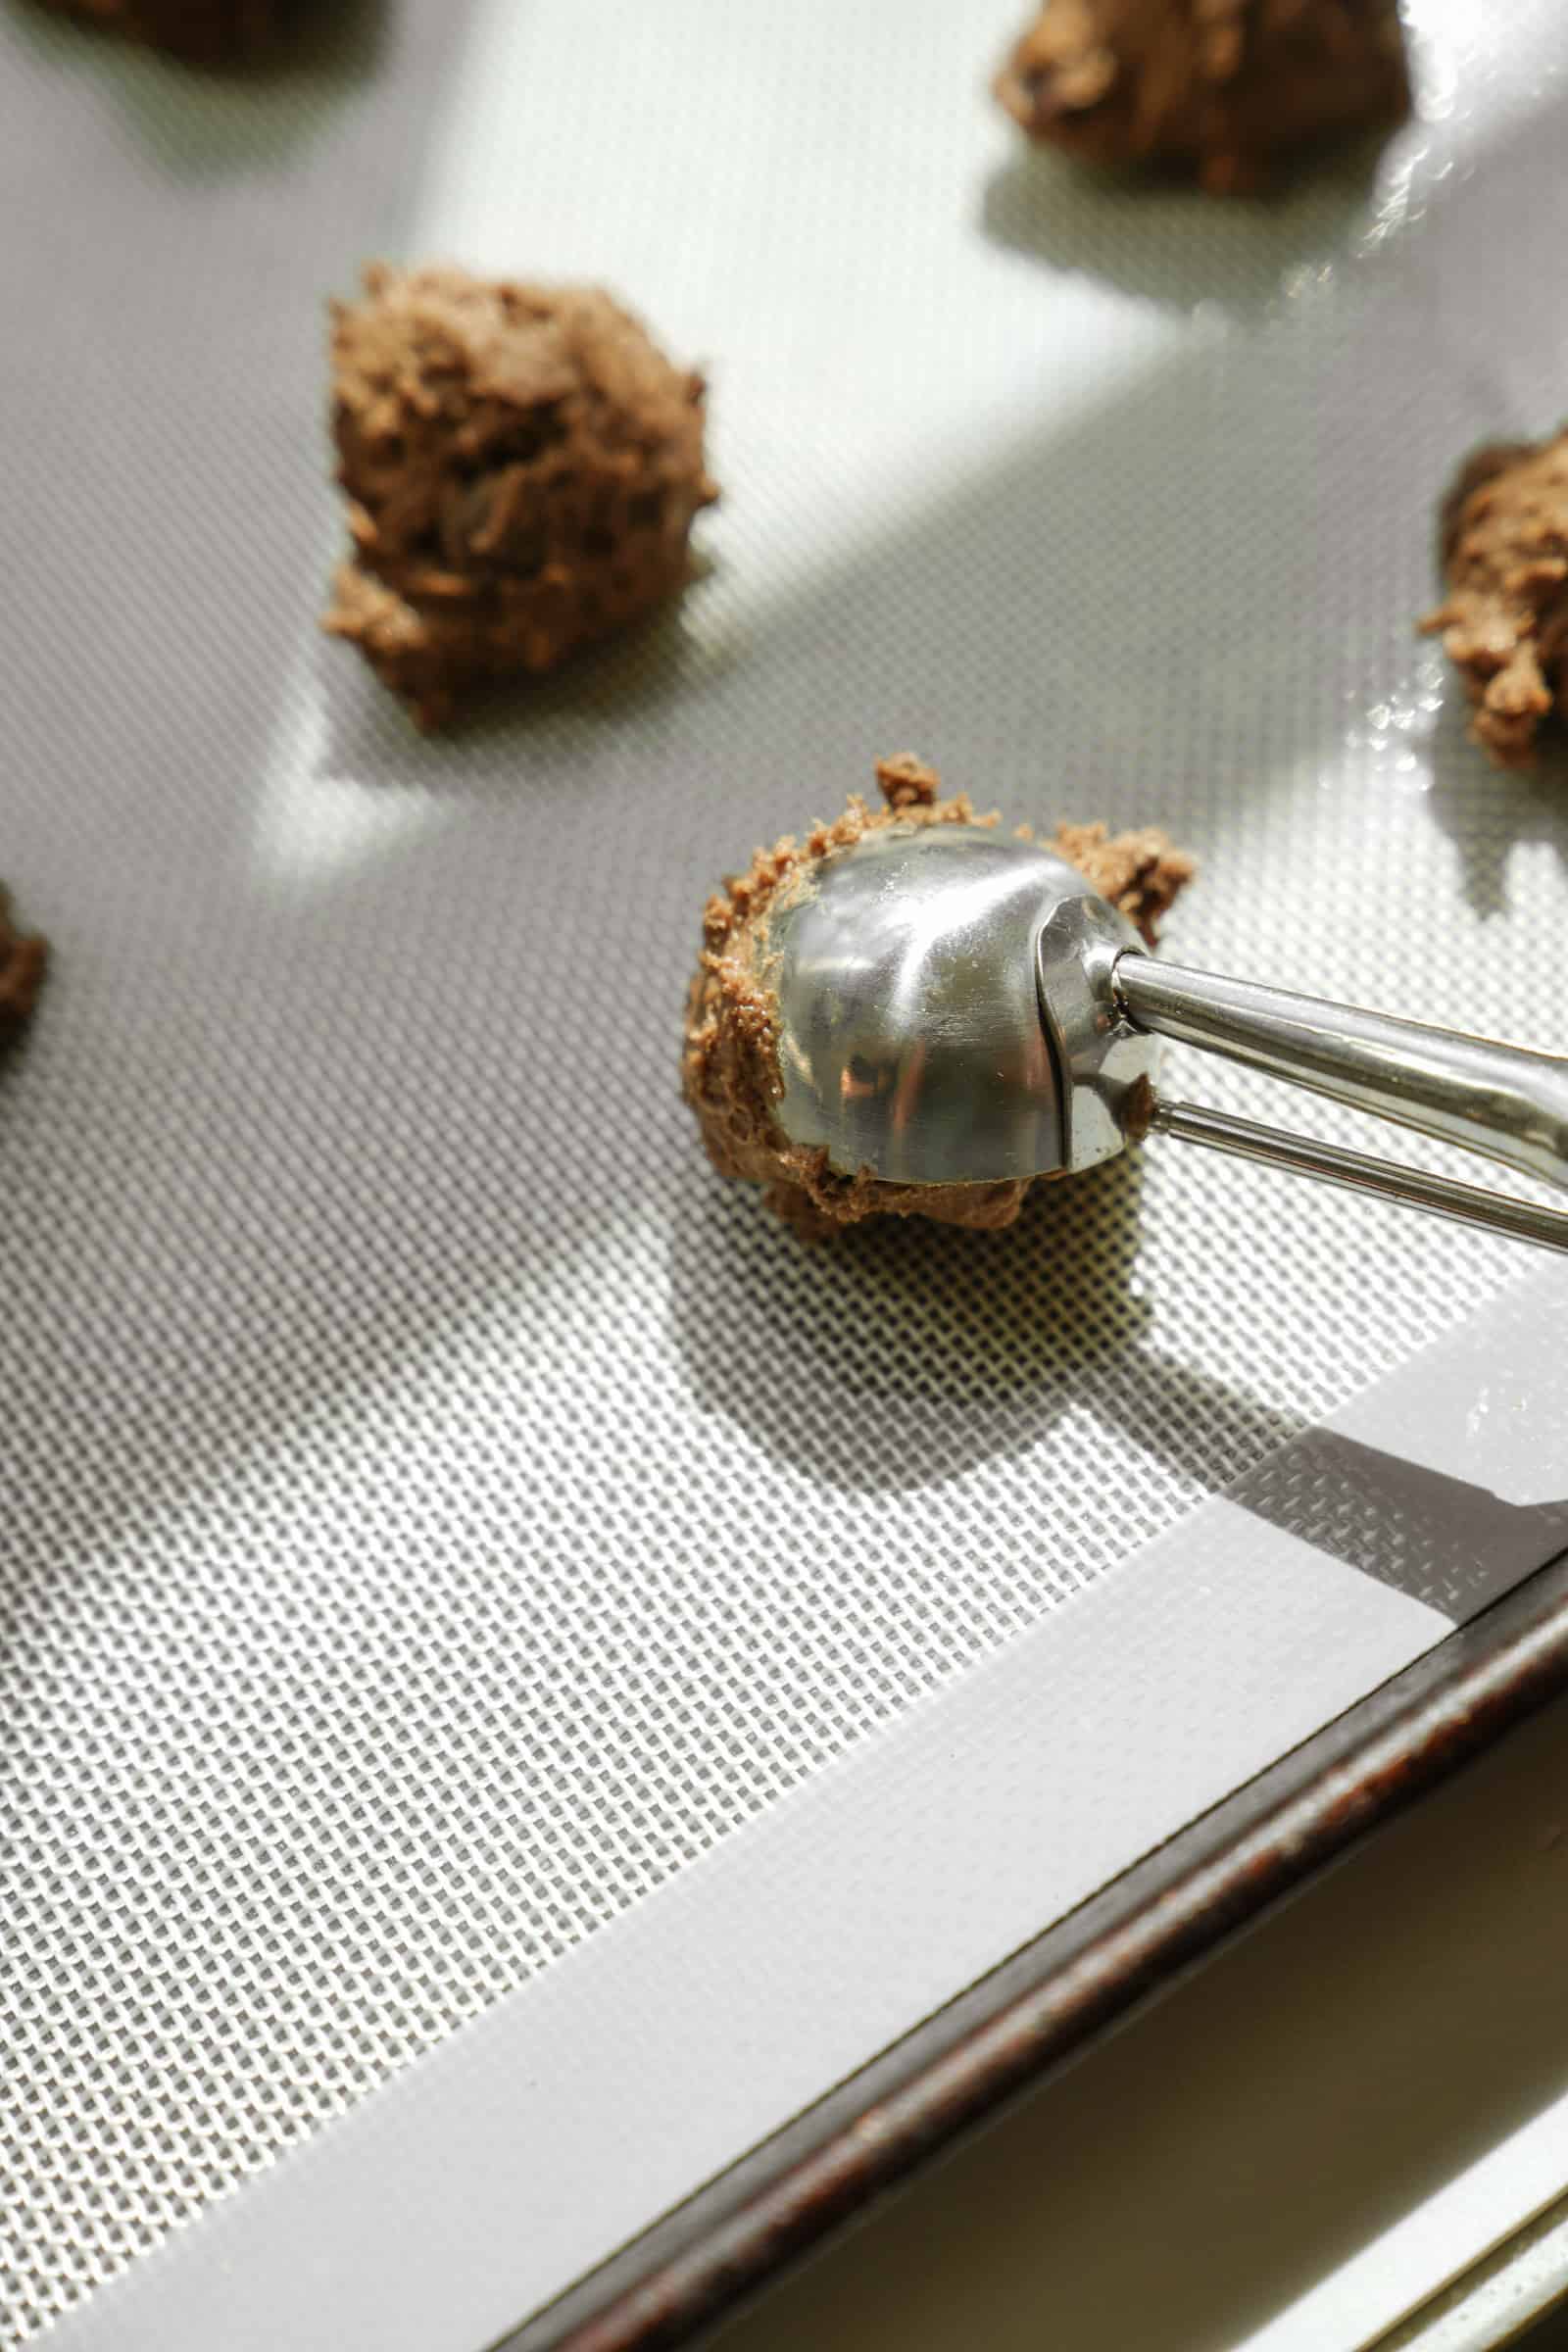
column 439, row 1510
column 516, row 2159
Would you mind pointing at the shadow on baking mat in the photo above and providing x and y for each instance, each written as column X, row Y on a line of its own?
column 1142, row 236
column 202, row 103
column 512, row 728
column 1014, row 608
column 1442, row 1541
column 902, row 1353
column 1490, row 813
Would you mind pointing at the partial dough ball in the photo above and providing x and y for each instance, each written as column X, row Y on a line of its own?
column 23, row 961
column 730, row 1071
column 522, row 466
column 205, row 32
column 1505, row 620
column 1225, row 91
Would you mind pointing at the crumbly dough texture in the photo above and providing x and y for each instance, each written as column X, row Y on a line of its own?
column 1504, row 622
column 23, row 961
column 522, row 466
column 206, row 31
column 729, row 1071
column 1226, row 91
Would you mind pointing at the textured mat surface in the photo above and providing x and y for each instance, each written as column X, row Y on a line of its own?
column 435, row 1508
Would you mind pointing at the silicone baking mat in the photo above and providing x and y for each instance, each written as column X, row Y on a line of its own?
column 441, row 1519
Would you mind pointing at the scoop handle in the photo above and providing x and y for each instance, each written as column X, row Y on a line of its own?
column 1356, row 1172
column 1503, row 1101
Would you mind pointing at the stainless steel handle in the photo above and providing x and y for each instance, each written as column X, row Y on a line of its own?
column 1503, row 1101
column 1358, row 1172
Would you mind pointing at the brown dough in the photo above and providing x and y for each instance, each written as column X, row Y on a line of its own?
column 1505, row 620
column 729, row 1069
column 522, row 466
column 1221, row 90
column 23, row 961
column 204, row 32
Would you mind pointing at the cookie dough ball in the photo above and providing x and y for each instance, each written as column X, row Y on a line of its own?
column 206, row 31
column 1505, row 620
column 1226, row 91
column 522, row 466
column 729, row 1070
column 23, row 961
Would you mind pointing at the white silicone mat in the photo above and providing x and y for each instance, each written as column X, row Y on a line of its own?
column 436, row 1509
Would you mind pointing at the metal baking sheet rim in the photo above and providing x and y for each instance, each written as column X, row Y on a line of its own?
column 961, row 2066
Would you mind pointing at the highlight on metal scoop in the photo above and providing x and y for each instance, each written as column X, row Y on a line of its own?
column 955, row 1008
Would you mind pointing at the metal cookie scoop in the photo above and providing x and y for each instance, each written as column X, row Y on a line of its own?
column 959, row 1009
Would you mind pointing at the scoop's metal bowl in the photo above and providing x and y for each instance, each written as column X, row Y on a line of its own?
column 911, row 1041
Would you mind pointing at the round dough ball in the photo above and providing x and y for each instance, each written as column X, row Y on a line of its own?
column 522, row 465
column 1226, row 91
